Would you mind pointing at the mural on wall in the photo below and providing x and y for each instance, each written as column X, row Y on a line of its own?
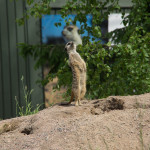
column 53, row 35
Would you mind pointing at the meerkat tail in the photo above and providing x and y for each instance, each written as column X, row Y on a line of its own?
column 67, row 103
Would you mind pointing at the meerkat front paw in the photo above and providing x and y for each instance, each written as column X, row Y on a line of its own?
column 81, row 69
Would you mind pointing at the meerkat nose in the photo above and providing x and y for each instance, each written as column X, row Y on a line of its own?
column 71, row 43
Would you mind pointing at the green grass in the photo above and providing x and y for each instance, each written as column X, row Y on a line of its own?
column 28, row 108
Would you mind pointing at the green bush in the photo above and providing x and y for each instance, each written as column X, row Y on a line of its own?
column 121, row 69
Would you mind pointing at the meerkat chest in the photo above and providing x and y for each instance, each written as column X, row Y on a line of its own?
column 75, row 58
column 76, row 62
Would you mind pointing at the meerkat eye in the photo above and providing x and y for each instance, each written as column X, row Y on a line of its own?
column 70, row 29
column 78, row 31
column 68, row 43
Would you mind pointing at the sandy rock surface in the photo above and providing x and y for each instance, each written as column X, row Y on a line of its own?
column 114, row 123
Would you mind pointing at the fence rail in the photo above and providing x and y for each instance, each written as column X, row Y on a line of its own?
column 12, row 65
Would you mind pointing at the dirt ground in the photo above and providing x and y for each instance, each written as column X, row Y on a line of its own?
column 114, row 123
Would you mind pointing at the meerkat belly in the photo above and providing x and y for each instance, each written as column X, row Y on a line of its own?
column 83, row 80
column 76, row 78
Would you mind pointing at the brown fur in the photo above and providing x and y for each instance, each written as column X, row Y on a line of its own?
column 78, row 67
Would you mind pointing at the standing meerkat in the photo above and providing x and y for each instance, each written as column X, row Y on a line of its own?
column 71, row 33
column 78, row 67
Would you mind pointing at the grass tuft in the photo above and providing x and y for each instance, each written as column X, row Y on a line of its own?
column 28, row 108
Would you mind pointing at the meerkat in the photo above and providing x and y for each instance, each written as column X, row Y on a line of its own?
column 71, row 33
column 78, row 67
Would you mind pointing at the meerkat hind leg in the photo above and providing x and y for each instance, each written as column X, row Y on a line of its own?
column 76, row 85
column 82, row 94
column 77, row 97
column 79, row 102
column 83, row 91
column 82, row 85
column 76, row 103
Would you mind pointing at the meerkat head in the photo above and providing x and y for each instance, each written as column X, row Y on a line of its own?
column 70, row 47
column 71, row 33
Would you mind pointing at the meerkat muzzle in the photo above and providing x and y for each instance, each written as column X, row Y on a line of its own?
column 63, row 33
column 72, row 43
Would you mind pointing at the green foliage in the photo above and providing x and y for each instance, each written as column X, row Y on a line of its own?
column 112, row 70
column 51, row 55
column 28, row 108
column 130, row 69
column 93, row 7
column 138, row 17
column 119, row 70
column 35, row 9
